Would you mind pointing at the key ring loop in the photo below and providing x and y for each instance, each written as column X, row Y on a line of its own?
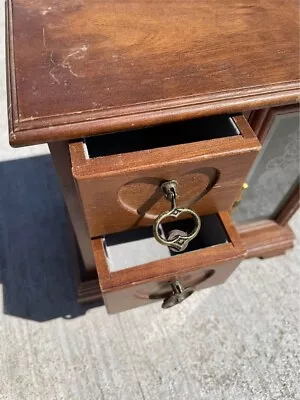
column 177, row 242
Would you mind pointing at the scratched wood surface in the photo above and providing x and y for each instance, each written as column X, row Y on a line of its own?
column 86, row 67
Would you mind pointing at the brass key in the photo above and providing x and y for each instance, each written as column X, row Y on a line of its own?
column 177, row 240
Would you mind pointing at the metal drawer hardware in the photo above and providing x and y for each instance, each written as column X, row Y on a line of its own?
column 245, row 186
column 177, row 240
column 179, row 293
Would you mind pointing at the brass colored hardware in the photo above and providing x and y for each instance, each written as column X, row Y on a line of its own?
column 179, row 293
column 245, row 186
column 177, row 240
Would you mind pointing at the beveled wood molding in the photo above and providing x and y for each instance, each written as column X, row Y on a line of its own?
column 71, row 126
column 266, row 238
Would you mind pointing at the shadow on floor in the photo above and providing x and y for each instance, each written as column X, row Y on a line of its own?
column 35, row 243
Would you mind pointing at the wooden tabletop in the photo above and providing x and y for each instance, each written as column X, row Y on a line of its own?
column 80, row 68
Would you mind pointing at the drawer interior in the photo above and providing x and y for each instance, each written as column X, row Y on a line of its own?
column 121, row 191
column 137, row 247
column 134, row 270
column 165, row 135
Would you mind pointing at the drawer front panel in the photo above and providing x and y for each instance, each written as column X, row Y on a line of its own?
column 122, row 191
column 207, row 263
column 117, row 300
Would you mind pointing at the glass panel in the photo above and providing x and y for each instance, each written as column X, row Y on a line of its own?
column 274, row 173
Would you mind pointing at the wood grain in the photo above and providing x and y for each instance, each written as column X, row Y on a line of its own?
column 83, row 68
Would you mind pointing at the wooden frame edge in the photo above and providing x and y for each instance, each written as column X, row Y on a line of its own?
column 266, row 238
column 37, row 131
column 289, row 208
column 261, row 120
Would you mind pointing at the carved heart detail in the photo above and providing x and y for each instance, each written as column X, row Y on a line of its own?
column 143, row 197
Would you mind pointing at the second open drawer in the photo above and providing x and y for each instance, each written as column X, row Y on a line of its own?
column 134, row 270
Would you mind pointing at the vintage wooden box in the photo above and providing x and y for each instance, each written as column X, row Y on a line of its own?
column 128, row 97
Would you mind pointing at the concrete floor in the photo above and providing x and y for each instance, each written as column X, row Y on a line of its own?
column 238, row 341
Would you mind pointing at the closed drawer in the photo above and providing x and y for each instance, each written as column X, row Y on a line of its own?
column 134, row 270
column 118, row 175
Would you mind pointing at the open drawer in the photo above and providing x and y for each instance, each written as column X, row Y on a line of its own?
column 135, row 270
column 118, row 175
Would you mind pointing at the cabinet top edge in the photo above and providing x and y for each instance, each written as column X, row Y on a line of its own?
column 71, row 76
